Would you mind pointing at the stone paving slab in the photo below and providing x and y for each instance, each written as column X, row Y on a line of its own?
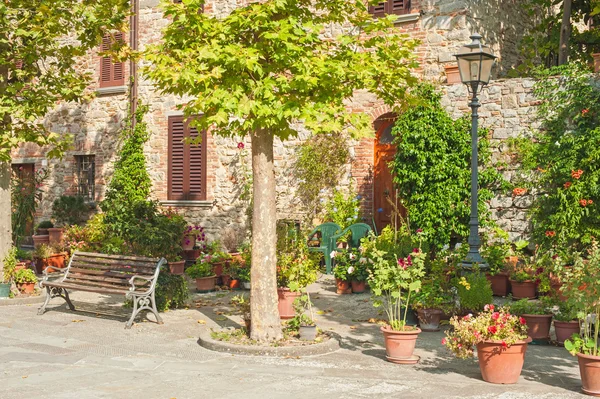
column 89, row 354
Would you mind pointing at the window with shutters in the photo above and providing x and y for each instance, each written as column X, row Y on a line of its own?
column 86, row 176
column 390, row 7
column 187, row 162
column 111, row 73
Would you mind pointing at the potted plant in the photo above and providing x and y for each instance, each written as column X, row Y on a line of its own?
column 41, row 236
column 218, row 258
column 23, row 259
column 358, row 272
column 203, row 272
column 537, row 316
column 243, row 274
column 192, row 235
column 244, row 262
column 345, row 261
column 394, row 277
column 565, row 321
column 51, row 257
column 583, row 286
column 242, row 303
column 495, row 253
column 500, row 338
column 66, row 210
column 296, row 270
column 8, row 271
column 430, row 303
column 302, row 323
column 474, row 292
column 25, row 280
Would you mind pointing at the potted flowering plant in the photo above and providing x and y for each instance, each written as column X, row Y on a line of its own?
column 8, row 271
column 565, row 320
column 500, row 338
column 203, row 272
column 25, row 280
column 192, row 234
column 495, row 252
column 302, row 323
column 394, row 277
column 346, row 261
column 583, row 287
column 431, row 302
column 537, row 316
column 358, row 274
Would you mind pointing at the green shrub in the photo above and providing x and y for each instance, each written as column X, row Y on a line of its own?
column 343, row 209
column 171, row 291
column 68, row 210
column 200, row 269
column 474, row 291
column 432, row 169
column 25, row 276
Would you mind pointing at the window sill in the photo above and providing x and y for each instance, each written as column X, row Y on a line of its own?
column 107, row 91
column 405, row 18
column 188, row 204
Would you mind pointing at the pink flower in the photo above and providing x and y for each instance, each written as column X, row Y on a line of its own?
column 491, row 307
column 495, row 316
column 492, row 329
column 240, row 146
column 443, row 341
column 522, row 320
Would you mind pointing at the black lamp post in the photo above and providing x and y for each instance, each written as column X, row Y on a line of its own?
column 475, row 63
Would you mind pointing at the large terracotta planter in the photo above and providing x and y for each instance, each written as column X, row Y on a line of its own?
column 342, row 286
column 564, row 330
column 205, row 284
column 358, row 286
column 26, row 288
column 589, row 368
column 192, row 254
column 452, row 74
column 188, row 242
column 429, row 319
column 40, row 239
column 499, row 283
column 57, row 261
column 526, row 289
column 286, row 302
column 56, row 234
column 538, row 326
column 400, row 345
column 177, row 267
column 501, row 365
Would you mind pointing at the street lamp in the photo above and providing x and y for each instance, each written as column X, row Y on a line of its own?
column 475, row 63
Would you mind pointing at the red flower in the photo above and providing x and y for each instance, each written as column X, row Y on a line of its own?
column 576, row 174
column 495, row 316
column 492, row 329
column 504, row 344
column 584, row 111
column 583, row 202
column 519, row 191
column 550, row 233
column 522, row 320
column 240, row 145
column 590, row 202
column 443, row 341
column 491, row 307
column 567, row 184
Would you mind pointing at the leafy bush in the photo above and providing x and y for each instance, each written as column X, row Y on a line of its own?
column 525, row 306
column 495, row 249
column 171, row 291
column 10, row 262
column 474, row 291
column 25, row 276
column 200, row 269
column 432, row 169
column 561, row 159
column 343, row 209
column 69, row 210
column 25, row 196
column 296, row 267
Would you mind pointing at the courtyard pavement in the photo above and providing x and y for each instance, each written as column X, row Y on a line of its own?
column 89, row 354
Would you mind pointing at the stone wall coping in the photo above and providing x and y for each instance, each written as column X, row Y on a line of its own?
column 197, row 204
column 105, row 91
column 24, row 160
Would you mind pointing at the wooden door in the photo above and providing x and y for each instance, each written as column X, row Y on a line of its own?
column 25, row 172
column 383, row 177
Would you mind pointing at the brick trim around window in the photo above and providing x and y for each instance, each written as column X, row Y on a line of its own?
column 187, row 163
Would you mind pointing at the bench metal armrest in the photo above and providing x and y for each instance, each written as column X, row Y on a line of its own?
column 47, row 275
column 153, row 279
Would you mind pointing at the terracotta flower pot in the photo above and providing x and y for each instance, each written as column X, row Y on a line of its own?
column 511, row 261
column 526, row 289
column 192, row 254
column 564, row 330
column 286, row 302
column 177, row 267
column 41, row 232
column 589, row 368
column 40, row 239
column 188, row 242
column 429, row 319
column 56, row 234
column 499, row 283
column 343, row 286
column 501, row 365
column 538, row 326
column 358, row 286
column 26, row 288
column 400, row 345
column 452, row 74
column 205, row 284
column 20, row 266
column 218, row 269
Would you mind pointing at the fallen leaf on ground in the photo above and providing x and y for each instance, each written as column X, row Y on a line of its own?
column 201, row 321
column 221, row 318
column 218, row 313
column 25, row 376
column 353, row 327
column 77, row 320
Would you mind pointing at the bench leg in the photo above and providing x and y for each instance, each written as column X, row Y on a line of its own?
column 133, row 313
column 53, row 292
column 147, row 302
column 154, row 310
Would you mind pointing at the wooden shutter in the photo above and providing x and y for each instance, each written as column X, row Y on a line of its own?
column 187, row 163
column 390, row 7
column 111, row 74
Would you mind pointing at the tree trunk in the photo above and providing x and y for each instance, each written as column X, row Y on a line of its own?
column 5, row 213
column 266, row 325
column 565, row 34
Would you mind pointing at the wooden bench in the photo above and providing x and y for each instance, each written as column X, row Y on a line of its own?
column 132, row 276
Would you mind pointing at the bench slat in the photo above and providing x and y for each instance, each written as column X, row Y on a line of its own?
column 144, row 271
column 118, row 257
column 109, row 273
column 112, row 280
column 109, row 262
column 90, row 283
column 79, row 287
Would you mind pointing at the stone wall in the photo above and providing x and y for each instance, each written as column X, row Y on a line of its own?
column 442, row 25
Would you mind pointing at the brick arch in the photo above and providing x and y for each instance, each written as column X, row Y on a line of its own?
column 379, row 111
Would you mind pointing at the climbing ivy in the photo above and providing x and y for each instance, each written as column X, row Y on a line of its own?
column 432, row 169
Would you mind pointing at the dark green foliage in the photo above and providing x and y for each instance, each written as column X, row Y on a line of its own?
column 171, row 291
column 432, row 169
column 68, row 210
column 474, row 291
column 562, row 160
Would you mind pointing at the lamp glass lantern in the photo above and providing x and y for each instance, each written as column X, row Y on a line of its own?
column 475, row 62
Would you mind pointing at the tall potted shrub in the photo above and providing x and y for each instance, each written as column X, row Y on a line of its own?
column 500, row 339
column 584, row 287
column 394, row 278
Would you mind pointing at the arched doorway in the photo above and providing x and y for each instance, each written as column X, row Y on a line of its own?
column 383, row 186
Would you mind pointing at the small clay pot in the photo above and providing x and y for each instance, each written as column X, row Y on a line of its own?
column 358, row 286
column 400, row 345
column 205, row 284
column 177, row 267
column 56, row 235
column 525, row 289
column 26, row 288
column 285, row 302
column 589, row 368
column 499, row 283
column 343, row 287
column 564, row 330
column 538, row 326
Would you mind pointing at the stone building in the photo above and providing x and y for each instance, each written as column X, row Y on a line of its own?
column 204, row 183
